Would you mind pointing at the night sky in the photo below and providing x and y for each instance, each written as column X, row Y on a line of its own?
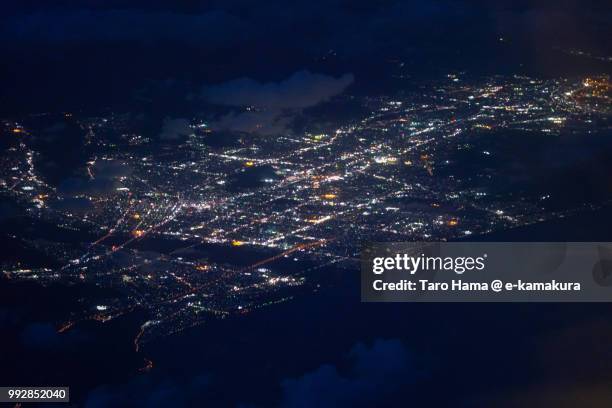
column 69, row 55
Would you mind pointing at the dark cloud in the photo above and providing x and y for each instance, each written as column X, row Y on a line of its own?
column 174, row 129
column 60, row 144
column 261, row 122
column 301, row 90
column 272, row 105
column 104, row 178
column 375, row 373
column 150, row 391
column 110, row 169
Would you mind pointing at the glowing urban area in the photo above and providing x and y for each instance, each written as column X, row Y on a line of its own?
column 295, row 203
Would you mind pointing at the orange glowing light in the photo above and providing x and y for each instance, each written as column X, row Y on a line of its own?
column 315, row 220
column 136, row 216
column 17, row 130
column 237, row 243
column 453, row 223
column 249, row 164
column 329, row 196
column 138, row 233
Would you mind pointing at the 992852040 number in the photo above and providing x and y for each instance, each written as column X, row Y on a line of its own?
column 25, row 394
